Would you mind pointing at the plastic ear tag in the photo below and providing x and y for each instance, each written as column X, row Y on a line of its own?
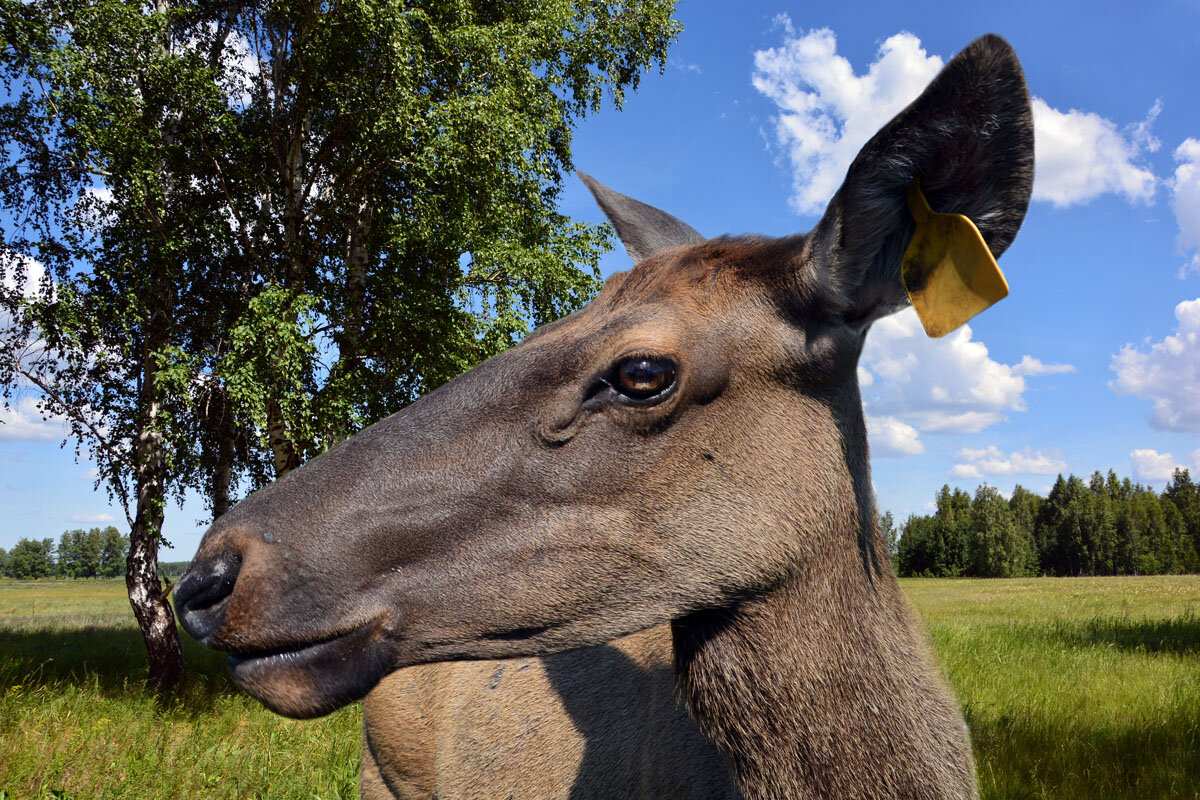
column 948, row 270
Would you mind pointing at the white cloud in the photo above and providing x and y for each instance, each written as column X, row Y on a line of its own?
column 993, row 461
column 22, row 421
column 680, row 64
column 25, row 278
column 95, row 205
column 1034, row 366
column 1196, row 462
column 939, row 421
column 891, row 437
column 1151, row 465
column 947, row 385
column 24, row 274
column 827, row 113
column 241, row 68
column 1167, row 374
column 101, row 194
column 92, row 517
column 1139, row 132
column 1185, row 200
column 1081, row 155
column 22, row 278
column 782, row 21
column 966, row 471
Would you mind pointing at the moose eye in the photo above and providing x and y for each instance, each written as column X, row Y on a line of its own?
column 642, row 378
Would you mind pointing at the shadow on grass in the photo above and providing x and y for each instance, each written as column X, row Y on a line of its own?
column 1032, row 757
column 108, row 660
column 1179, row 635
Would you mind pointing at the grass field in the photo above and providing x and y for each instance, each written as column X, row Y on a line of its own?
column 1073, row 688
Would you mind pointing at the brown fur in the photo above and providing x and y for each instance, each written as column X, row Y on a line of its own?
column 601, row 722
column 531, row 507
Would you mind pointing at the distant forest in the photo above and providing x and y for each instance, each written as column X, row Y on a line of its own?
column 95, row 553
column 1104, row 526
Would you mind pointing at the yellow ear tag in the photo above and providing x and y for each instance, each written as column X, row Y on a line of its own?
column 948, row 270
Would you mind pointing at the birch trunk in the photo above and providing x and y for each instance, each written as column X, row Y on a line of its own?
column 284, row 451
column 147, row 596
column 349, row 339
column 283, row 447
column 222, row 415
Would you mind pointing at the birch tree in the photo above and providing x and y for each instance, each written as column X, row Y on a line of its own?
column 401, row 167
column 235, row 233
column 107, row 102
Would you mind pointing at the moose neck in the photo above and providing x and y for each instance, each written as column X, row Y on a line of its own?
column 821, row 687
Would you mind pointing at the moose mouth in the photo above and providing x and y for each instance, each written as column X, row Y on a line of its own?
column 316, row 678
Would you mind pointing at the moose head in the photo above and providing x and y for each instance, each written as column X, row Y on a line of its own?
column 688, row 444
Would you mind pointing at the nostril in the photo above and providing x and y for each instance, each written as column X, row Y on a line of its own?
column 207, row 595
column 200, row 595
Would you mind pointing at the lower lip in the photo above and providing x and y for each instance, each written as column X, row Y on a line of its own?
column 315, row 679
column 301, row 656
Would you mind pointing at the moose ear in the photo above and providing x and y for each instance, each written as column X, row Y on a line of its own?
column 968, row 141
column 643, row 229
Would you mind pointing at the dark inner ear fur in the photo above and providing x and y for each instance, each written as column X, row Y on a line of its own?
column 969, row 139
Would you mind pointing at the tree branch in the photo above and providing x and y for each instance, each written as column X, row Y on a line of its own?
column 107, row 449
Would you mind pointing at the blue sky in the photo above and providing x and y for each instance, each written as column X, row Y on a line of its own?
column 1093, row 361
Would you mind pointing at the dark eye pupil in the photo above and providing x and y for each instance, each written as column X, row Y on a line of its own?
column 644, row 377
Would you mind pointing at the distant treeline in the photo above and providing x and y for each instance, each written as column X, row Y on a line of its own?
column 95, row 553
column 173, row 569
column 1105, row 526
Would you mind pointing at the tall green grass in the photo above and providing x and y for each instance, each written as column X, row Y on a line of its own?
column 76, row 722
column 1073, row 688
